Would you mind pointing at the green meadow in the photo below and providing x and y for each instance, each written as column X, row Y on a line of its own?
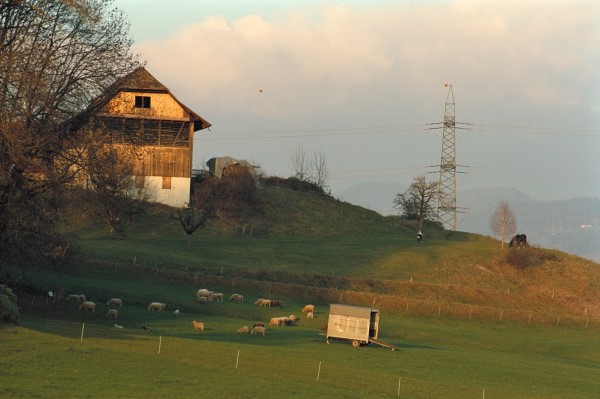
column 304, row 245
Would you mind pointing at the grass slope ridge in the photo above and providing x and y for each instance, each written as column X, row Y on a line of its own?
column 311, row 239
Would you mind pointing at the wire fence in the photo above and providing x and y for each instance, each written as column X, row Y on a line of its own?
column 343, row 377
column 405, row 303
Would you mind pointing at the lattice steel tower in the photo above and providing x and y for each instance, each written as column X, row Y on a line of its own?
column 446, row 210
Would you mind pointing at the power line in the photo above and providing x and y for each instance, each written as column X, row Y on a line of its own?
column 529, row 130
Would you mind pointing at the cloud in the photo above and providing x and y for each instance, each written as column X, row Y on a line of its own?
column 326, row 56
column 532, row 63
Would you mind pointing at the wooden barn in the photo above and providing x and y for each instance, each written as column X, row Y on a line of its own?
column 138, row 110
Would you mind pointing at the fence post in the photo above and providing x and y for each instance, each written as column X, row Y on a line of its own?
column 159, row 344
column 341, row 293
column 82, row 330
column 530, row 314
column 319, row 371
column 557, row 320
column 399, row 382
column 501, row 312
column 483, row 394
column 237, row 360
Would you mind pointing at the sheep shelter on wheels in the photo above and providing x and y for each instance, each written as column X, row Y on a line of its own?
column 356, row 324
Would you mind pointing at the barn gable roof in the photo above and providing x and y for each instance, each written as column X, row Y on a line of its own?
column 140, row 80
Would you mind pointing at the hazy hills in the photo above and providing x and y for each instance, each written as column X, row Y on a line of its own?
column 571, row 226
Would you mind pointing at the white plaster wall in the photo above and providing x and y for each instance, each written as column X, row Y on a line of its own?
column 176, row 196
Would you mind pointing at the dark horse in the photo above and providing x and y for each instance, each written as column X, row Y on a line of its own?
column 520, row 240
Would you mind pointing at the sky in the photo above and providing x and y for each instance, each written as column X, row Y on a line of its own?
column 365, row 83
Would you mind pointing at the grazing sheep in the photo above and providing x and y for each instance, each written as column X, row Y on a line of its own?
column 218, row 296
column 202, row 299
column 118, row 326
column 82, row 298
column 266, row 303
column 258, row 324
column 114, row 301
column 203, row 292
column 112, row 313
column 73, row 298
column 258, row 330
column 276, row 303
column 259, row 301
column 275, row 321
column 176, row 312
column 158, row 306
column 237, row 298
column 310, row 315
column 198, row 325
column 309, row 308
column 292, row 318
column 243, row 330
column 88, row 305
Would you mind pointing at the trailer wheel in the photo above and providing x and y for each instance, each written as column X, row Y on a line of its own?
column 355, row 343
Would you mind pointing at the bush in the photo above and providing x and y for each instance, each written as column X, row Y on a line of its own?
column 521, row 258
column 8, row 304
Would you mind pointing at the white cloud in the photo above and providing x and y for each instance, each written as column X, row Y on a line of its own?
column 523, row 62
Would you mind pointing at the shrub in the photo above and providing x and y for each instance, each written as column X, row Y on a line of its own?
column 8, row 304
column 521, row 258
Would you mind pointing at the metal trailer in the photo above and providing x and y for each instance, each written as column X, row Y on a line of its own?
column 356, row 324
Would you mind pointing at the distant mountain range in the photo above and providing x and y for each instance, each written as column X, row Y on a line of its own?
column 571, row 226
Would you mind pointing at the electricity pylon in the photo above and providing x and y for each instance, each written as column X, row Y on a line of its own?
column 446, row 209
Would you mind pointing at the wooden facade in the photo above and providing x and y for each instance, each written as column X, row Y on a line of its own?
column 140, row 112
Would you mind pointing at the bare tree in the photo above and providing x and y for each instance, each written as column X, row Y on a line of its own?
column 55, row 57
column 503, row 222
column 300, row 163
column 415, row 203
column 111, row 177
column 192, row 218
column 319, row 170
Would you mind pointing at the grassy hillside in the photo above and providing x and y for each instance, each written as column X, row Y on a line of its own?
column 304, row 247
column 310, row 239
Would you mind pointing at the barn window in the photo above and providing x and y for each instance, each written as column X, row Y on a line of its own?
column 142, row 102
column 166, row 185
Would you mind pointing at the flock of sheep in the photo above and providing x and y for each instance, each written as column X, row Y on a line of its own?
column 203, row 296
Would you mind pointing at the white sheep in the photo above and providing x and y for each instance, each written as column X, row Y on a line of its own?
column 118, row 326
column 258, row 330
column 114, row 301
column 275, row 321
column 176, row 312
column 198, row 325
column 82, row 298
column 310, row 315
column 243, row 330
column 202, row 299
column 237, row 298
column 158, row 306
column 309, row 308
column 218, row 296
column 88, row 305
column 258, row 301
column 73, row 298
column 203, row 292
column 266, row 303
column 112, row 313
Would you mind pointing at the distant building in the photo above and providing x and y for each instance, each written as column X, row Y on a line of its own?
column 139, row 106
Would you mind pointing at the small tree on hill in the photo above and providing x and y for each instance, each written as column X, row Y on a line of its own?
column 416, row 202
column 193, row 218
column 503, row 222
